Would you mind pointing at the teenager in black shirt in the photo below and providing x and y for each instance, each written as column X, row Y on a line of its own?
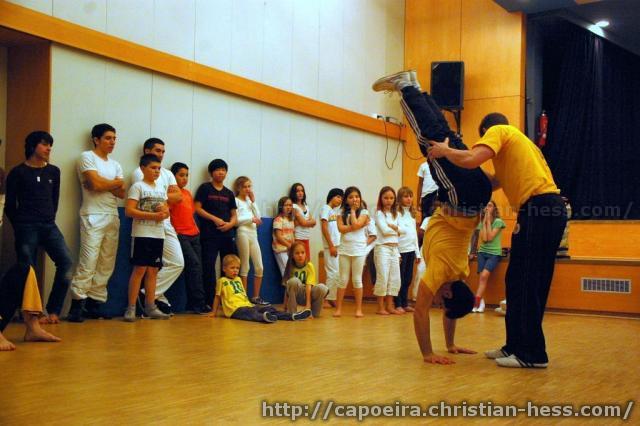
column 33, row 190
column 216, row 208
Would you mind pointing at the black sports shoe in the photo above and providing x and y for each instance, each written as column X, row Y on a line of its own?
column 259, row 301
column 269, row 317
column 302, row 315
column 76, row 311
column 92, row 309
column 202, row 310
column 165, row 308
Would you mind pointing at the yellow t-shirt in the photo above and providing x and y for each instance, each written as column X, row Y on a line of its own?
column 520, row 166
column 307, row 274
column 232, row 295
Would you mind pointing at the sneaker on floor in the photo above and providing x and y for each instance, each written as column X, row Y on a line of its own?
column 154, row 312
column 496, row 353
column 499, row 311
column 513, row 361
column 393, row 82
column 302, row 315
column 480, row 308
column 93, row 309
column 165, row 308
column 76, row 312
column 130, row 314
column 474, row 309
column 269, row 317
column 202, row 310
column 259, row 301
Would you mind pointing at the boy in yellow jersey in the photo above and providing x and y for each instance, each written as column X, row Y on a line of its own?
column 235, row 303
column 19, row 288
column 526, row 179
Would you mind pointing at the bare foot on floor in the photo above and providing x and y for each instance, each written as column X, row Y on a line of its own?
column 396, row 311
column 401, row 310
column 337, row 314
column 409, row 309
column 6, row 345
column 382, row 312
column 40, row 335
column 359, row 314
column 50, row 319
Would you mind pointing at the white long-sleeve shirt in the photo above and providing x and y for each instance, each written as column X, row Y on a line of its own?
column 386, row 235
column 246, row 212
column 408, row 240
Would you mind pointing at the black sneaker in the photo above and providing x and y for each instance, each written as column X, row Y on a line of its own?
column 165, row 308
column 76, row 311
column 202, row 310
column 302, row 315
column 269, row 317
column 93, row 311
column 259, row 301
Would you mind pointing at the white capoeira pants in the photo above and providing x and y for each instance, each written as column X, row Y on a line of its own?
column 387, row 260
column 332, row 269
column 281, row 259
column 351, row 265
column 172, row 264
column 97, row 257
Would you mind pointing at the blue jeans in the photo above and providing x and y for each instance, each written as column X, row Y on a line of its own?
column 30, row 236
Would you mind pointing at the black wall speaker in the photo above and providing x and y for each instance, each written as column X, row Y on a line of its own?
column 447, row 84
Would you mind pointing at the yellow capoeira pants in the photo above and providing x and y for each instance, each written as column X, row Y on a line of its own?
column 446, row 248
column 19, row 289
column 31, row 301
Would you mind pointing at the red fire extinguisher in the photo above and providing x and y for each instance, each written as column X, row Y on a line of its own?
column 543, row 123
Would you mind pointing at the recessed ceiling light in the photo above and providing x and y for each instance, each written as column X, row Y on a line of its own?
column 602, row 24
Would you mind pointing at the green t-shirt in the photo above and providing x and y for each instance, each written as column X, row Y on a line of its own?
column 494, row 246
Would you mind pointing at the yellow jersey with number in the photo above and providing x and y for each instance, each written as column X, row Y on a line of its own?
column 306, row 274
column 232, row 295
column 520, row 166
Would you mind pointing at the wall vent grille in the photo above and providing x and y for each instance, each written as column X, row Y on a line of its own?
column 606, row 285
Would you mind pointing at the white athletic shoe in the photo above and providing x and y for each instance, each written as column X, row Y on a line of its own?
column 496, row 353
column 513, row 361
column 393, row 82
column 480, row 308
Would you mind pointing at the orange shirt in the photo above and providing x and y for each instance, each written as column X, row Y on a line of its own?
column 182, row 215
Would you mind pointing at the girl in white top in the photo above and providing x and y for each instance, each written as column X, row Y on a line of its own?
column 386, row 255
column 303, row 219
column 353, row 247
column 408, row 246
column 247, row 236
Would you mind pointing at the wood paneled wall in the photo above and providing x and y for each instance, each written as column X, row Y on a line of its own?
column 28, row 109
column 491, row 42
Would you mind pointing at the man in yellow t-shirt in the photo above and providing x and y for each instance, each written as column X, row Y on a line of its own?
column 525, row 177
column 235, row 303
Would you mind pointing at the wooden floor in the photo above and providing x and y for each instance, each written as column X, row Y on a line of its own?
column 195, row 370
